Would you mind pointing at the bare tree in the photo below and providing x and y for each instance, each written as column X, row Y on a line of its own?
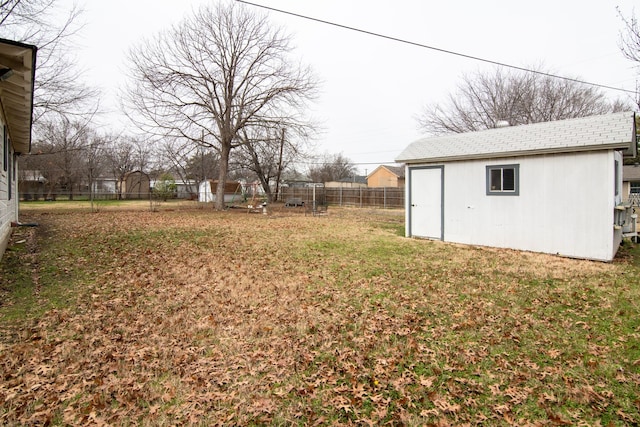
column 216, row 73
column 21, row 14
column 58, row 87
column 95, row 161
column 202, row 164
column 59, row 156
column 485, row 99
column 143, row 154
column 267, row 153
column 186, row 161
column 332, row 167
column 630, row 42
column 122, row 158
column 630, row 37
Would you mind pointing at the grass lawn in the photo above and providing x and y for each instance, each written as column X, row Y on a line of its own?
column 191, row 316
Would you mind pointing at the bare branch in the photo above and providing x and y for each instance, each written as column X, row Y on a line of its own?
column 221, row 71
column 485, row 99
column 58, row 90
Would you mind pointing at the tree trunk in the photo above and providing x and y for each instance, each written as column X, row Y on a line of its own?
column 279, row 171
column 222, row 175
column 264, row 182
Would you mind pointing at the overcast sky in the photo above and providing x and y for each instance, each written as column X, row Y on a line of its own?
column 373, row 88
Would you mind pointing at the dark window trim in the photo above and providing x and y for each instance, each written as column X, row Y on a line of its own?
column 616, row 173
column 516, row 177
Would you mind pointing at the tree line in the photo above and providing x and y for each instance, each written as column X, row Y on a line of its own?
column 217, row 96
column 220, row 95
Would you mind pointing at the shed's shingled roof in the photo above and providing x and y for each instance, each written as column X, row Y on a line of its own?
column 583, row 134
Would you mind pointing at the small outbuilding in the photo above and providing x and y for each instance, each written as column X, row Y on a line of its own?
column 135, row 185
column 207, row 191
column 553, row 187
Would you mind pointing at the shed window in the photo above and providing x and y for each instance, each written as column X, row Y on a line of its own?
column 503, row 180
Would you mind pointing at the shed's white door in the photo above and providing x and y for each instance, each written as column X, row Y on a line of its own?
column 426, row 207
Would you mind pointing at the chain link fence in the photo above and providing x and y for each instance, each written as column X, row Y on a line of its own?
column 75, row 195
column 385, row 198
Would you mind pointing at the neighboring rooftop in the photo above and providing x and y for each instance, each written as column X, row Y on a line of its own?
column 396, row 170
column 631, row 172
column 610, row 131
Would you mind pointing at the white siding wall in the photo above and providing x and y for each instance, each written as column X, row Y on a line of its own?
column 8, row 208
column 565, row 205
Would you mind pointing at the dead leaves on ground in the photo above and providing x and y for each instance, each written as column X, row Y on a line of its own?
column 206, row 318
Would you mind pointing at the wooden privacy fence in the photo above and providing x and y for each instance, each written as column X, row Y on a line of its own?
column 383, row 197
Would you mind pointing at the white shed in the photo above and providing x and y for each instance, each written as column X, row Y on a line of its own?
column 552, row 187
column 207, row 191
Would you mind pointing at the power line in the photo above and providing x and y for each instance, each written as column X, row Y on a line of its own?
column 424, row 46
column 320, row 163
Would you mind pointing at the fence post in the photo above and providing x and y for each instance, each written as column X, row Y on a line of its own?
column 384, row 197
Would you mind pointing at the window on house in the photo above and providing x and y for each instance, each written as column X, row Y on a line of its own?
column 9, row 177
column 634, row 188
column 5, row 145
column 503, row 180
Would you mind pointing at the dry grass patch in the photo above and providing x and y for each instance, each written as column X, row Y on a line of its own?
column 198, row 317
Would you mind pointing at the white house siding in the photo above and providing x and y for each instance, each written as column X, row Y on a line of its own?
column 565, row 205
column 8, row 208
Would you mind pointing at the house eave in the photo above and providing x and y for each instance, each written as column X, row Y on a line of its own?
column 520, row 153
column 16, row 91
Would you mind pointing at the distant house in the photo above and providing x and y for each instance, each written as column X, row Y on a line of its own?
column 31, row 184
column 349, row 182
column 552, row 187
column 135, row 185
column 17, row 75
column 296, row 180
column 386, row 176
column 104, row 185
column 185, row 189
column 631, row 182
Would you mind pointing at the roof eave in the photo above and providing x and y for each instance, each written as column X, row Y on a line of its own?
column 16, row 92
column 486, row 156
